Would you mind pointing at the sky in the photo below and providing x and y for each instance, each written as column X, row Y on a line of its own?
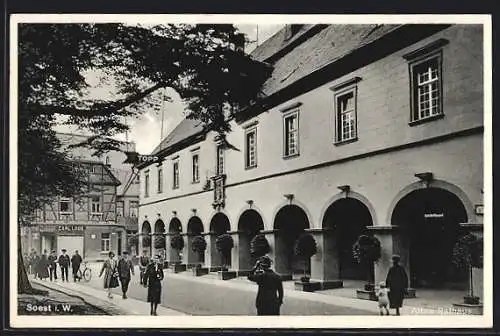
column 146, row 131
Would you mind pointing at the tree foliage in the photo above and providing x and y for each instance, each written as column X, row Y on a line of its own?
column 146, row 241
column 159, row 242
column 305, row 246
column 259, row 246
column 468, row 251
column 199, row 244
column 133, row 240
column 199, row 62
column 177, row 242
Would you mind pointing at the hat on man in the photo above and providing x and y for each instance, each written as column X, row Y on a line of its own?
column 124, row 252
column 64, row 250
column 396, row 257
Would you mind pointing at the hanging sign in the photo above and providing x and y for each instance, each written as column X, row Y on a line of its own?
column 434, row 215
column 136, row 158
column 70, row 228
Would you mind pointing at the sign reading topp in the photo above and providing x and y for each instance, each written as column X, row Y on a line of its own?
column 136, row 158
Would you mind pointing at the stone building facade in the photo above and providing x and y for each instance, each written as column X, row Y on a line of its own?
column 365, row 129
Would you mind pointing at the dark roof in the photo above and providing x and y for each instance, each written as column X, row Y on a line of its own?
column 293, row 59
column 185, row 129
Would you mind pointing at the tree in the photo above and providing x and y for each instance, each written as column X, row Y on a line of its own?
column 199, row 245
column 367, row 250
column 177, row 242
column 305, row 247
column 224, row 243
column 200, row 62
column 159, row 242
column 259, row 246
column 468, row 254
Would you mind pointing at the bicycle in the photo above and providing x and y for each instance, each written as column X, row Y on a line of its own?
column 86, row 274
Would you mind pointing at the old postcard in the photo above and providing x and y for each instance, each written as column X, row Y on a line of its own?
column 242, row 171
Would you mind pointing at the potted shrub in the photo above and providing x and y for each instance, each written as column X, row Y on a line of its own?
column 199, row 245
column 224, row 244
column 468, row 254
column 366, row 251
column 305, row 247
column 146, row 241
column 177, row 243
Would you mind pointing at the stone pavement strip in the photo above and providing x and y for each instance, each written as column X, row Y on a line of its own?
column 98, row 298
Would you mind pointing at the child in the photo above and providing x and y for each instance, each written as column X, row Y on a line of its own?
column 383, row 298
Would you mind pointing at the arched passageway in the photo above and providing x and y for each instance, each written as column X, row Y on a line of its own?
column 218, row 226
column 289, row 223
column 174, row 227
column 194, row 228
column 249, row 224
column 429, row 220
column 344, row 221
column 146, row 243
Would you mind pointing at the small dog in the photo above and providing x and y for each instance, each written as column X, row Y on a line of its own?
column 383, row 298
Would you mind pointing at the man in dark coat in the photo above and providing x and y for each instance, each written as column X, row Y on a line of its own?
column 397, row 282
column 43, row 266
column 53, row 265
column 64, row 265
column 270, row 293
column 76, row 261
column 153, row 277
column 143, row 263
column 125, row 270
column 35, row 259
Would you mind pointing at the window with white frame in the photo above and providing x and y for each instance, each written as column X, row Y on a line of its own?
column 65, row 205
column 345, row 102
column 196, row 168
column 146, row 184
column 133, row 207
column 220, row 160
column 426, row 82
column 105, row 242
column 119, row 208
column 95, row 205
column 175, row 184
column 291, row 133
column 160, row 179
column 251, row 148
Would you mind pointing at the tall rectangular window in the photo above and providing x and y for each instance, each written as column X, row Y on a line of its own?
column 96, row 205
column 105, row 242
column 65, row 205
column 196, row 168
column 291, row 133
column 426, row 89
column 251, row 148
column 176, row 174
column 146, row 184
column 160, row 180
column 220, row 160
column 119, row 208
column 346, row 115
column 133, row 207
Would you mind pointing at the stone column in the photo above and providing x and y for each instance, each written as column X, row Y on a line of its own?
column 244, row 257
column 208, row 254
column 212, row 257
column 325, row 263
column 385, row 235
column 277, row 254
column 190, row 257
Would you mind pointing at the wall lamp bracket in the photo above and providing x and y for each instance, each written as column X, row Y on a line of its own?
column 289, row 197
column 426, row 178
column 345, row 189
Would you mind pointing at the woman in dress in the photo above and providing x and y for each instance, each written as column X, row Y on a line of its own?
column 152, row 280
column 110, row 270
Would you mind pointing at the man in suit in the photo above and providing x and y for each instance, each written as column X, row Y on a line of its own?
column 143, row 263
column 64, row 265
column 125, row 270
column 76, row 261
column 270, row 293
column 53, row 265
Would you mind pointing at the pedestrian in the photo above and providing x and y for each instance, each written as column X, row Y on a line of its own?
column 383, row 299
column 53, row 265
column 35, row 259
column 76, row 261
column 43, row 267
column 397, row 282
column 270, row 293
column 64, row 265
column 26, row 262
column 144, row 261
column 152, row 280
column 110, row 270
column 125, row 268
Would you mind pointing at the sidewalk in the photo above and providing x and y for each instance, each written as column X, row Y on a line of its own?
column 98, row 298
